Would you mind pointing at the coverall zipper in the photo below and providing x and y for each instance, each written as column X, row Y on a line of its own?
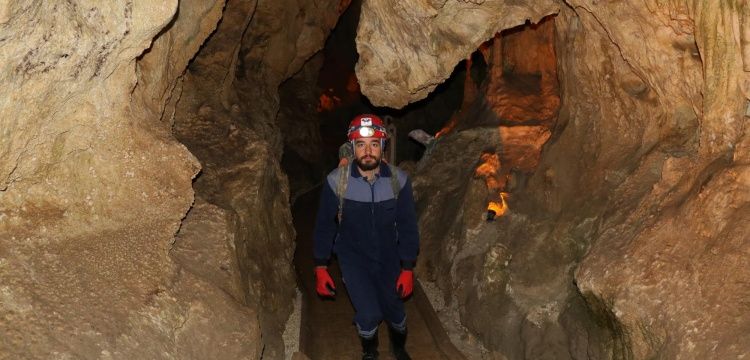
column 372, row 199
column 372, row 208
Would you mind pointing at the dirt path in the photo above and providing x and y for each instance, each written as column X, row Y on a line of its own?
column 327, row 330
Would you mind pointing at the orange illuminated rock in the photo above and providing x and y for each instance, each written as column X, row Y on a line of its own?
column 521, row 146
column 523, row 83
column 629, row 231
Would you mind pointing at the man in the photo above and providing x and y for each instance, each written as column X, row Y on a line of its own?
column 367, row 218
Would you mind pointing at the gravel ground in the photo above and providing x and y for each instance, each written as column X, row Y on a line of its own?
column 291, row 331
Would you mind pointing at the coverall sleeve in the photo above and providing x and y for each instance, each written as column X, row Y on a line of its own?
column 325, row 225
column 407, row 228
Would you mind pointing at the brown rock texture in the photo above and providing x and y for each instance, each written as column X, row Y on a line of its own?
column 93, row 184
column 94, row 188
column 407, row 48
column 628, row 169
column 670, row 266
column 228, row 116
column 298, row 119
column 629, row 238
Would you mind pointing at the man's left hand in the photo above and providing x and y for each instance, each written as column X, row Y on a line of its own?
column 405, row 283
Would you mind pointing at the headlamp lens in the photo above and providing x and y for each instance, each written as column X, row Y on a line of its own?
column 366, row 131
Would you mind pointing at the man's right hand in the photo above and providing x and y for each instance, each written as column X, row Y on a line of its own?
column 323, row 283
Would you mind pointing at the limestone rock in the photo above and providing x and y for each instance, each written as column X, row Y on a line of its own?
column 227, row 116
column 91, row 193
column 160, row 69
column 94, row 187
column 278, row 44
column 407, row 48
column 298, row 120
column 653, row 254
column 639, row 196
column 205, row 246
column 58, row 127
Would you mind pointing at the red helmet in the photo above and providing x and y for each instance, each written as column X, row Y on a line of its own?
column 366, row 125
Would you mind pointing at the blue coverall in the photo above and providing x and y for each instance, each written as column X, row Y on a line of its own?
column 377, row 237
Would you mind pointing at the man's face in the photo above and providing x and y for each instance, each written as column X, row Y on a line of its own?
column 367, row 153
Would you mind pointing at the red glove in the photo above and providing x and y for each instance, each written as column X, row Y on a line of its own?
column 405, row 283
column 323, row 283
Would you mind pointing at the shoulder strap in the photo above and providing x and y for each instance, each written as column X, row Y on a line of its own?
column 394, row 181
column 341, row 188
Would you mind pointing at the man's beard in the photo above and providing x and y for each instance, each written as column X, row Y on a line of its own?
column 367, row 166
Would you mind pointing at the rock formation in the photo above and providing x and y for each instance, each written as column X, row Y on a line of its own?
column 627, row 239
column 144, row 213
column 94, row 185
column 407, row 48
column 227, row 117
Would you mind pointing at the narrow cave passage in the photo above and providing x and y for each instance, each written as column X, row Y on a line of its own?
column 509, row 93
column 503, row 98
column 327, row 329
column 586, row 194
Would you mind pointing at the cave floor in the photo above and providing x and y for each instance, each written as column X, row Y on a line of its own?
column 327, row 331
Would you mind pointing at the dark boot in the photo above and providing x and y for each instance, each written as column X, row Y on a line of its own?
column 398, row 344
column 370, row 347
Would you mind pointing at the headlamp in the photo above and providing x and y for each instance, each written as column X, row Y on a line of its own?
column 366, row 131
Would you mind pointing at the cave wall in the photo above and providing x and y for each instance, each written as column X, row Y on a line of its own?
column 629, row 238
column 407, row 48
column 95, row 259
column 228, row 115
column 94, row 187
column 665, row 258
column 304, row 159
